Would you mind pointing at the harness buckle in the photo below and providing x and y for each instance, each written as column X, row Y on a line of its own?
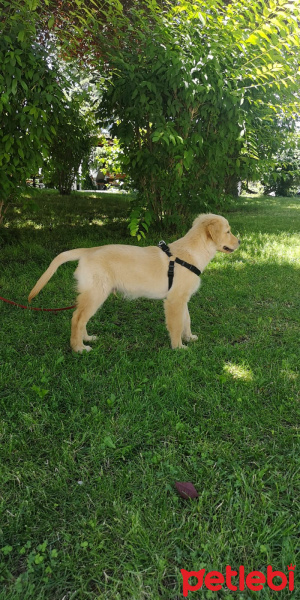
column 164, row 247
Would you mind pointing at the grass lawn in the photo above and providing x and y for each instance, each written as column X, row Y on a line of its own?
column 92, row 444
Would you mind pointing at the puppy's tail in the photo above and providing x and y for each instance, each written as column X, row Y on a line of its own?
column 58, row 260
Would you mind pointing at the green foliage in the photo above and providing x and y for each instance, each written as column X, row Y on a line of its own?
column 30, row 99
column 196, row 92
column 139, row 225
column 284, row 178
column 39, row 563
column 193, row 93
column 108, row 156
column 70, row 146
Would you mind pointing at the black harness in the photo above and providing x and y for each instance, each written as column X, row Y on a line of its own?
column 163, row 246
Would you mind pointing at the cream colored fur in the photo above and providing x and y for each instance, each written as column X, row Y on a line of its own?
column 137, row 272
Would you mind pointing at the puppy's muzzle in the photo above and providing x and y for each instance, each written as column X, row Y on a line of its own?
column 227, row 249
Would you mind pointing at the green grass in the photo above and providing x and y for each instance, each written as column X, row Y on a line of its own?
column 92, row 444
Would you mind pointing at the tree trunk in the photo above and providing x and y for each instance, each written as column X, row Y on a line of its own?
column 233, row 186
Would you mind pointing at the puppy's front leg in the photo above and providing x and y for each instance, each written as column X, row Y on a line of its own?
column 87, row 337
column 174, row 312
column 187, row 334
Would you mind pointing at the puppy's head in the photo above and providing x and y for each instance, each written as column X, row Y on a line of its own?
column 218, row 230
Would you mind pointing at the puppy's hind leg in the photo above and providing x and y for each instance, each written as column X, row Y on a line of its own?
column 88, row 303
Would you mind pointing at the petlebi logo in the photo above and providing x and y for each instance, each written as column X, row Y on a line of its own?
column 238, row 580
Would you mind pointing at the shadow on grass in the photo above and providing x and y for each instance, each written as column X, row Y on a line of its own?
column 45, row 209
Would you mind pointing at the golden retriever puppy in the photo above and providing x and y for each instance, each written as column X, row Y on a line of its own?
column 144, row 272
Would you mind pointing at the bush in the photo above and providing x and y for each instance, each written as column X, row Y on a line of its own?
column 192, row 95
column 70, row 146
column 284, row 178
column 30, row 99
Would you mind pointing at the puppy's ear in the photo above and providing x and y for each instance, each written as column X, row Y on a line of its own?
column 213, row 230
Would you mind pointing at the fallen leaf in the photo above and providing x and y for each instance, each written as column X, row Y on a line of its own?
column 186, row 489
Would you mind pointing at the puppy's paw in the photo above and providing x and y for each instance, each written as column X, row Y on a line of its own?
column 82, row 348
column 193, row 338
column 86, row 348
column 190, row 338
column 181, row 347
column 90, row 338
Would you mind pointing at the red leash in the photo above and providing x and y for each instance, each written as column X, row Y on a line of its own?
column 32, row 308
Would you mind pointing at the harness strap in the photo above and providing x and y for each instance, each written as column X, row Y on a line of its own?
column 171, row 272
column 188, row 266
column 163, row 246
